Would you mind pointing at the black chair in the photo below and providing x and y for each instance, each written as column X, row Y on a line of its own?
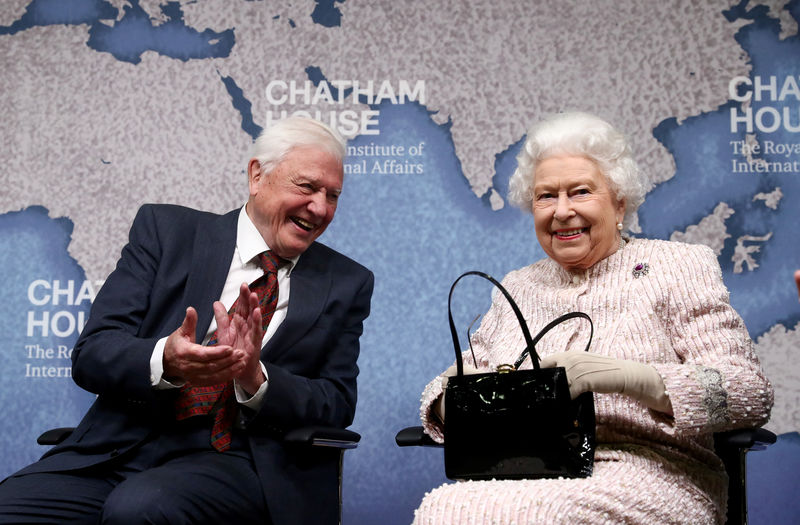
column 338, row 440
column 730, row 446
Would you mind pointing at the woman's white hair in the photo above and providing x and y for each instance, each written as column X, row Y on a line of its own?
column 584, row 135
column 276, row 141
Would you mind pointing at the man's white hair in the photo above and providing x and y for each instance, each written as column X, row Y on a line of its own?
column 276, row 141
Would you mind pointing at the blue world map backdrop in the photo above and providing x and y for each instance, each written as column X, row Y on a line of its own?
column 155, row 102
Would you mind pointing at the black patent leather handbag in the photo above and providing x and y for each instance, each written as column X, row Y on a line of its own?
column 516, row 424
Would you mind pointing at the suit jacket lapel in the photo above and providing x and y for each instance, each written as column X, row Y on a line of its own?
column 211, row 259
column 310, row 285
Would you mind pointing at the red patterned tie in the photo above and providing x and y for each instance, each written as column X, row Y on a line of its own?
column 219, row 399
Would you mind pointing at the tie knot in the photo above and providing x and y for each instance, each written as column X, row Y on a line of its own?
column 270, row 262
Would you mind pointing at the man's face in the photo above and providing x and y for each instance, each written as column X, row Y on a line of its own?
column 293, row 204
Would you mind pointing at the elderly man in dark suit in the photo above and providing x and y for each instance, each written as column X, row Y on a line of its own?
column 213, row 337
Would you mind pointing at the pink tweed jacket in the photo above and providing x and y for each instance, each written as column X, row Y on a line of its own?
column 653, row 301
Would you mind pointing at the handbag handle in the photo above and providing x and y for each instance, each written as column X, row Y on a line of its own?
column 523, row 325
column 551, row 324
column 530, row 343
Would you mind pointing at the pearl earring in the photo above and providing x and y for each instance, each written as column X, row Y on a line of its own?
column 619, row 226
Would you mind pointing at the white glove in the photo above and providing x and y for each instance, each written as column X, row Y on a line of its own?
column 438, row 405
column 587, row 372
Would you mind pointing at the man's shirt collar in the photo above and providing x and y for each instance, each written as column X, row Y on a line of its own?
column 250, row 243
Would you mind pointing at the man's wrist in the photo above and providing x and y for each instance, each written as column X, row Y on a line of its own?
column 254, row 400
column 252, row 386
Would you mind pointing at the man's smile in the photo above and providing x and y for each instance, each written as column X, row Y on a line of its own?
column 302, row 223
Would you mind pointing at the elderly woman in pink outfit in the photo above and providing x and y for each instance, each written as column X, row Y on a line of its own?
column 670, row 364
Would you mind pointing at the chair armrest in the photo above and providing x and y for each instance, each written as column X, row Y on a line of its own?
column 54, row 436
column 415, row 437
column 323, row 437
column 315, row 436
column 731, row 447
column 744, row 439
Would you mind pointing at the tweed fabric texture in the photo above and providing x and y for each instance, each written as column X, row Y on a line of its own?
column 649, row 467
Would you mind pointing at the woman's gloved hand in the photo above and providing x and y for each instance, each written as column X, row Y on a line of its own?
column 587, row 372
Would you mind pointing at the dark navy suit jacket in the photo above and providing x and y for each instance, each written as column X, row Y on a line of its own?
column 178, row 257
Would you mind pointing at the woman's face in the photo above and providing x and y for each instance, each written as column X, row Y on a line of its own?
column 575, row 212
